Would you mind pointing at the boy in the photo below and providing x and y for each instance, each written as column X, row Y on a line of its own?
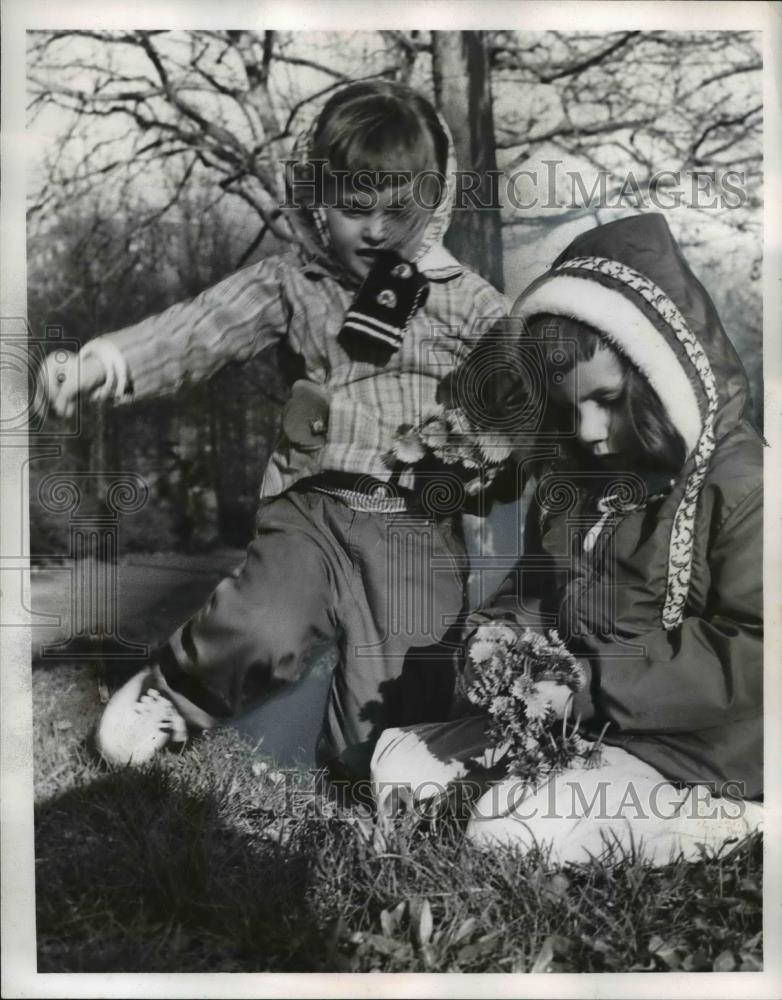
column 376, row 313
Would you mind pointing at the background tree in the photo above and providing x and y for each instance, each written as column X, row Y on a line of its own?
column 461, row 79
column 201, row 451
column 225, row 106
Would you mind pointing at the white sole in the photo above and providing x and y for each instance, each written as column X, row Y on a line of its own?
column 137, row 722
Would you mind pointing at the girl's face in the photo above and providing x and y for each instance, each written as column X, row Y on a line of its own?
column 595, row 392
column 373, row 221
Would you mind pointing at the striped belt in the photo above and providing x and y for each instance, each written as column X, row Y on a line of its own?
column 362, row 493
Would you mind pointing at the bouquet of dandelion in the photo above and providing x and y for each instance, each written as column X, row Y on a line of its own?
column 444, row 436
column 513, row 673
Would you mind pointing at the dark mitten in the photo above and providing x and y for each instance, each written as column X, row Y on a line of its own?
column 500, row 382
column 377, row 320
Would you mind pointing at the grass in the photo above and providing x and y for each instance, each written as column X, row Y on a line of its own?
column 211, row 860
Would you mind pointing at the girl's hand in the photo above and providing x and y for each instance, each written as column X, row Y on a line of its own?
column 63, row 382
column 559, row 695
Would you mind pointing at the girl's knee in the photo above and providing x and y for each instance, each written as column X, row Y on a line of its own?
column 407, row 759
column 390, row 758
column 388, row 771
column 507, row 815
column 606, row 813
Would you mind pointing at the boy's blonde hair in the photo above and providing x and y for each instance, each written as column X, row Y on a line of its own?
column 380, row 125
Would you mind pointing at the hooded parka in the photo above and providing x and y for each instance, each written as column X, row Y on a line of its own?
column 657, row 586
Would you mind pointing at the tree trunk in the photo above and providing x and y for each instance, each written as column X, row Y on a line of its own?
column 460, row 70
column 232, row 451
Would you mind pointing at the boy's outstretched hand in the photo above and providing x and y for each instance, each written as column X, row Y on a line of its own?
column 64, row 381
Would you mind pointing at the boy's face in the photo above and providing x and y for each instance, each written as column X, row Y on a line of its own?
column 595, row 391
column 374, row 220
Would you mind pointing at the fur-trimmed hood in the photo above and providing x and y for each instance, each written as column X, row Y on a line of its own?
column 629, row 280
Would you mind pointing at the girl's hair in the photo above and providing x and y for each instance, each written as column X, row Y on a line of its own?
column 378, row 125
column 567, row 341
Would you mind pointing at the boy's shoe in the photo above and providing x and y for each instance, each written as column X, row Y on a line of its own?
column 138, row 721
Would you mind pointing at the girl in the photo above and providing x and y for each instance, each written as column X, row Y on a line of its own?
column 644, row 549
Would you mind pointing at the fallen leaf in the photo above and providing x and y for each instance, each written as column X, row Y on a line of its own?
column 379, row 840
column 696, row 962
column 428, row 956
column 386, row 946
column 725, row 961
column 425, row 923
column 470, row 952
column 388, row 922
column 466, row 927
column 666, row 952
column 554, row 947
column 753, row 942
column 670, row 956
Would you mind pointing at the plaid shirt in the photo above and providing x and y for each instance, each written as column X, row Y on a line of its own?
column 286, row 296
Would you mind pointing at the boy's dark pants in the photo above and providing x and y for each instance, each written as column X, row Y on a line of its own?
column 380, row 585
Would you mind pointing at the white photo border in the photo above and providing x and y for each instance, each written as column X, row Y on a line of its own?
column 19, row 976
